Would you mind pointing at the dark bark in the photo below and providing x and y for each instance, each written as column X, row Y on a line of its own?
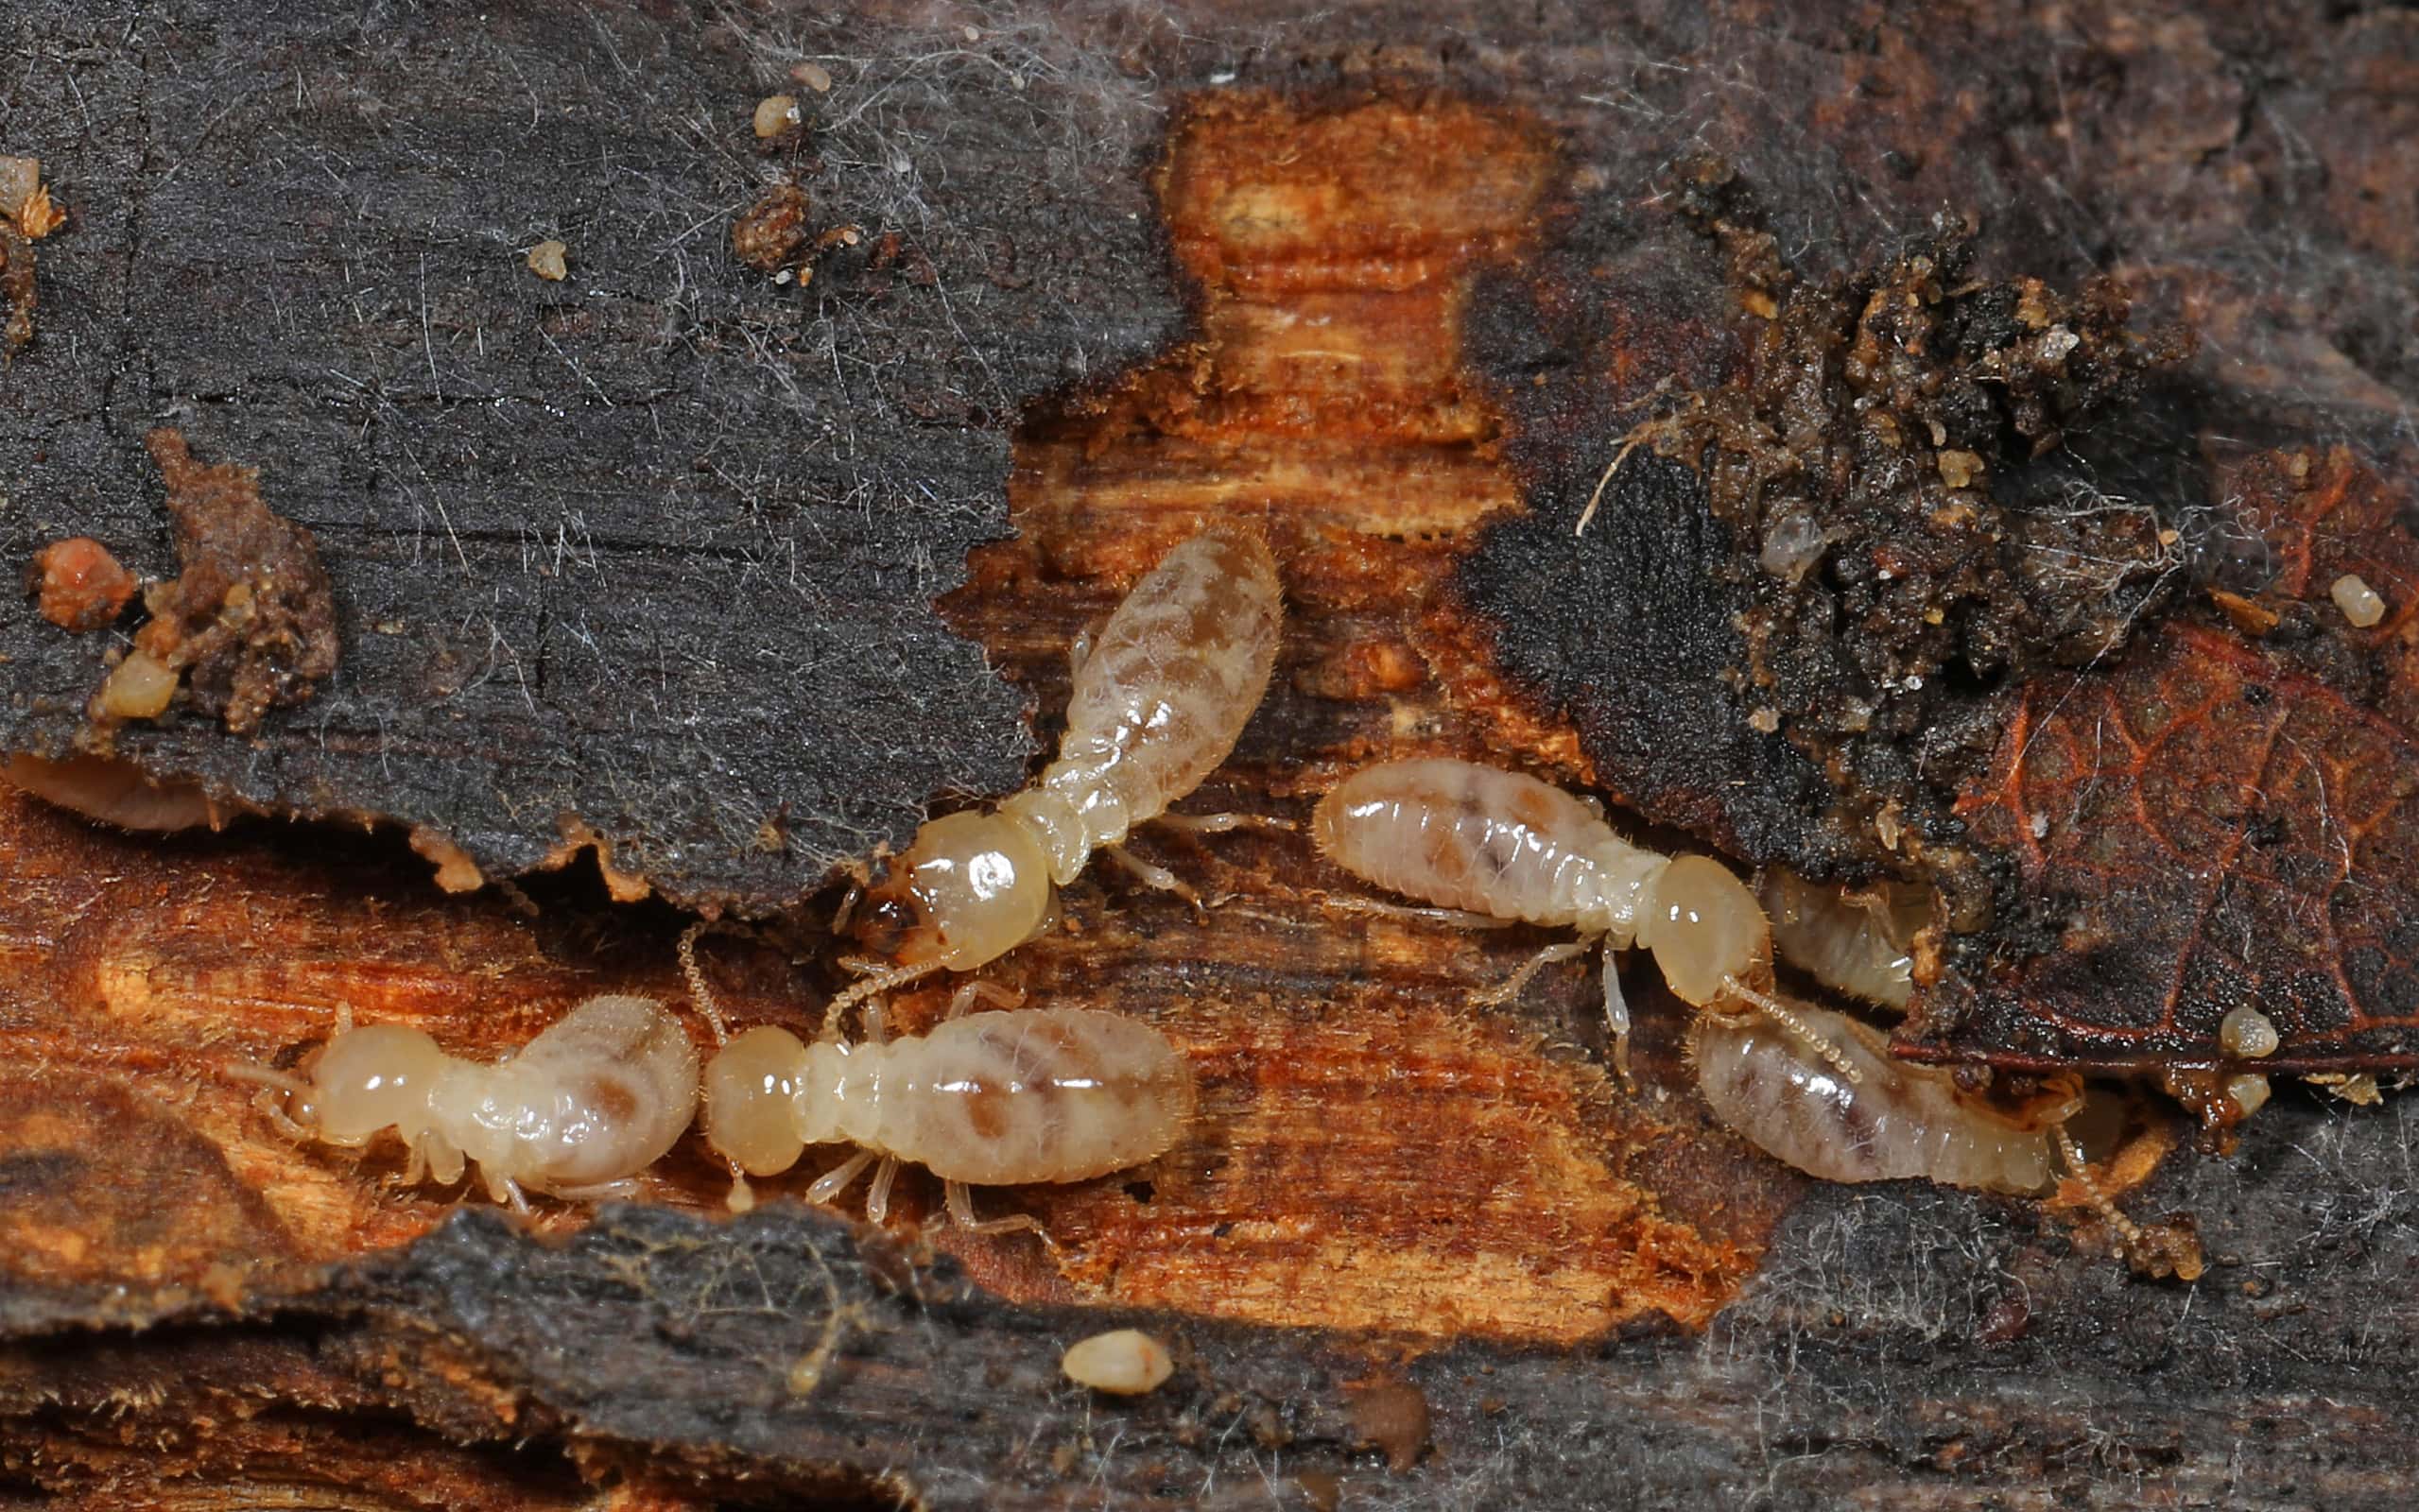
column 650, row 556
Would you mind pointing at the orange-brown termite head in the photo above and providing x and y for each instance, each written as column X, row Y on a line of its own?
column 972, row 888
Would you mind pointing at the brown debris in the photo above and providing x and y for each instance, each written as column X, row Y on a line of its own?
column 248, row 623
column 78, row 585
column 1392, row 1416
column 768, row 234
column 1870, row 434
column 16, row 288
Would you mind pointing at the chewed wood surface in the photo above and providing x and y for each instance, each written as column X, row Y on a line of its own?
column 1409, row 1250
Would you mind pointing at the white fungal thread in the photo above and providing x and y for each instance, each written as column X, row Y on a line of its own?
column 1159, row 700
column 595, row 1098
column 990, row 1099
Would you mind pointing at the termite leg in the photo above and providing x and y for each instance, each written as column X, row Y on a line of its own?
column 1223, row 823
column 1078, row 651
column 835, row 1181
column 415, row 1169
column 1617, row 1016
column 877, row 1197
column 344, row 1017
column 1152, row 874
column 504, row 1189
column 624, row 1190
column 1448, row 918
column 2127, row 1232
column 998, row 997
column 1774, row 1009
column 962, row 1212
column 1560, row 951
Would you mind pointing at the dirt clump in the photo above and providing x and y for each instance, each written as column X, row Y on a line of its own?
column 249, row 622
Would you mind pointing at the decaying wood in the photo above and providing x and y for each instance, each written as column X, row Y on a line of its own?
column 665, row 536
column 620, row 560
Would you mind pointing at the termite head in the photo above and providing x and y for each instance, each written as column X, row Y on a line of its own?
column 973, row 886
column 363, row 1080
column 1707, row 931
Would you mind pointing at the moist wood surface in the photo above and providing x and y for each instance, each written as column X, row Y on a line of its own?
column 666, row 538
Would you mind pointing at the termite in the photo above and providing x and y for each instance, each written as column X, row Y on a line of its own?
column 1159, row 700
column 595, row 1098
column 1823, row 1095
column 999, row 1098
column 1502, row 844
column 1898, row 1120
column 115, row 792
column 1858, row 942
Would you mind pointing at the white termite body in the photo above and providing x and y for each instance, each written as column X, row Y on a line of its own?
column 1808, row 1085
column 1898, row 1120
column 1507, row 846
column 986, row 1099
column 597, row 1098
column 1158, row 702
column 1854, row 942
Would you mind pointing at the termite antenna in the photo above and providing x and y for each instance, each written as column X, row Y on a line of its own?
column 1780, row 1013
column 875, row 985
column 742, row 1197
column 2127, row 1232
column 699, row 992
column 264, row 1076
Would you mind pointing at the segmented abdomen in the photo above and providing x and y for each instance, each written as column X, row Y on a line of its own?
column 602, row 1093
column 1170, row 683
column 1900, row 1121
column 1034, row 1094
column 1463, row 836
